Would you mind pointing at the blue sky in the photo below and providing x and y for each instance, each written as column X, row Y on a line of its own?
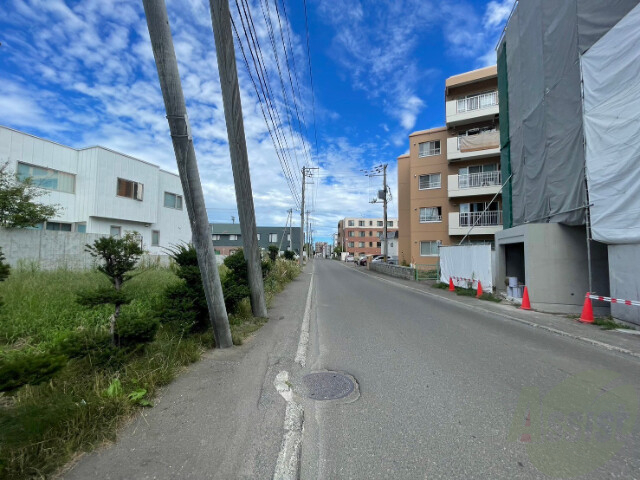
column 82, row 73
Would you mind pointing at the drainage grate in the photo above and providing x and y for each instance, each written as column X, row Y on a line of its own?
column 327, row 385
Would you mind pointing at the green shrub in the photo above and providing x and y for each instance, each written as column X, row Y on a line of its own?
column 184, row 304
column 273, row 252
column 133, row 329
column 289, row 255
column 28, row 368
column 79, row 343
column 234, row 292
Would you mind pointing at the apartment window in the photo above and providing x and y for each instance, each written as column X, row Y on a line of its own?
column 215, row 237
column 47, row 178
column 370, row 223
column 361, row 244
column 155, row 238
column 429, row 149
column 390, row 223
column 430, row 214
column 58, row 227
column 81, row 227
column 273, row 237
column 352, row 234
column 380, row 223
column 428, row 249
column 350, row 223
column 426, row 182
column 171, row 200
column 379, row 244
column 351, row 244
column 363, row 234
column 130, row 189
column 233, row 237
column 370, row 244
column 115, row 231
column 361, row 223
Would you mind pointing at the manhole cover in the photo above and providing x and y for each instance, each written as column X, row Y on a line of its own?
column 327, row 385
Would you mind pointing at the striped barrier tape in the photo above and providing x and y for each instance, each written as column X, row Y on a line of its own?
column 614, row 300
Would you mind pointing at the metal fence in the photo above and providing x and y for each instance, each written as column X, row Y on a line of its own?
column 427, row 271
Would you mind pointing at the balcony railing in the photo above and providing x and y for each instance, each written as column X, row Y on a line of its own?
column 477, row 180
column 477, row 102
column 487, row 219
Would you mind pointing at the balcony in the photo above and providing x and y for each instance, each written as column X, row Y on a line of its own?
column 482, row 145
column 487, row 223
column 472, row 109
column 485, row 183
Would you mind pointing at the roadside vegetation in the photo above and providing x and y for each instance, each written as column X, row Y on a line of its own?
column 468, row 292
column 79, row 356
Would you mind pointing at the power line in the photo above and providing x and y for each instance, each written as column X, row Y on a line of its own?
column 267, row 102
column 313, row 95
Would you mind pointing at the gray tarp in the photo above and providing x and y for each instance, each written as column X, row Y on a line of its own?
column 544, row 39
column 611, row 73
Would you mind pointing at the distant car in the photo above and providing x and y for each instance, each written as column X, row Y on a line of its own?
column 392, row 260
column 350, row 258
column 377, row 259
column 362, row 261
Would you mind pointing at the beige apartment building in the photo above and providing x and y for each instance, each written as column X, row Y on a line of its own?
column 447, row 181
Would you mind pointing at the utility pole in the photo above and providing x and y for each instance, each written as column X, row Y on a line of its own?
column 225, row 51
column 382, row 195
column 308, row 236
column 384, row 227
column 291, row 229
column 167, row 65
column 284, row 231
column 305, row 174
column 304, row 181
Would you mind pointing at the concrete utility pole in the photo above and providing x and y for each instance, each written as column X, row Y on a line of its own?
column 225, row 51
column 284, row 231
column 167, row 65
column 291, row 229
column 384, row 227
column 304, row 181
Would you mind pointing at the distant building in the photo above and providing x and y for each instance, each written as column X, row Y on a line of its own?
column 227, row 238
column 100, row 190
column 361, row 236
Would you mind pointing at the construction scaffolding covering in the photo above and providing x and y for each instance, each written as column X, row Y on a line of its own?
column 541, row 52
column 611, row 74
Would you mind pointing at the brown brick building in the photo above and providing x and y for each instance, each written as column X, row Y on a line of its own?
column 361, row 236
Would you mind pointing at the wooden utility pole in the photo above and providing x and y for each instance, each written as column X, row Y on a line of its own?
column 167, row 65
column 304, row 181
column 384, row 227
column 225, row 51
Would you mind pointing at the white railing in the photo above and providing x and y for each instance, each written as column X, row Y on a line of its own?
column 477, row 102
column 477, row 180
column 479, row 219
column 431, row 219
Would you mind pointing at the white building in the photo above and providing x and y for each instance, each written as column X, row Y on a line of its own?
column 100, row 191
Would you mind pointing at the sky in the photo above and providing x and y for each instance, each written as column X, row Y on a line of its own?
column 344, row 93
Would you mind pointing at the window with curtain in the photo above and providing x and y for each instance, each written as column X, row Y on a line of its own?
column 430, row 214
column 130, row 189
column 432, row 180
column 429, row 248
column 429, row 149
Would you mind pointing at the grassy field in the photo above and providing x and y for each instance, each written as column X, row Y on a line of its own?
column 43, row 426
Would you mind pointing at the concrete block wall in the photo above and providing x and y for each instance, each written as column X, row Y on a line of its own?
column 49, row 250
column 397, row 271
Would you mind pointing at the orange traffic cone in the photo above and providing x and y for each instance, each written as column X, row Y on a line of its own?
column 587, row 310
column 451, row 287
column 526, row 305
column 479, row 289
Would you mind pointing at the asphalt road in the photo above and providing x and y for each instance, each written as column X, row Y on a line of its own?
column 440, row 389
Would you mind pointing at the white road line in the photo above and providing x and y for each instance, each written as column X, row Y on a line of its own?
column 556, row 331
column 288, row 459
column 301, row 354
